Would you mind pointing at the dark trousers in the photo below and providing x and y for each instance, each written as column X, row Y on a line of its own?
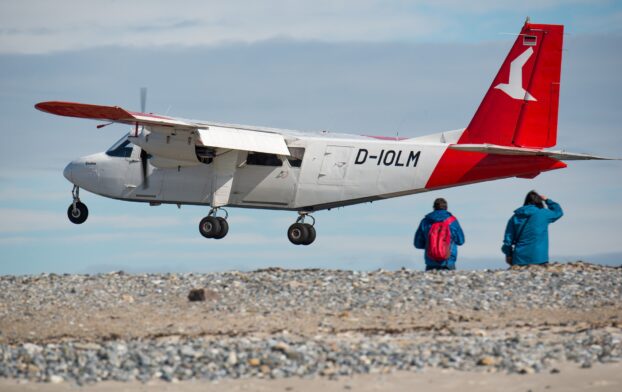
column 439, row 268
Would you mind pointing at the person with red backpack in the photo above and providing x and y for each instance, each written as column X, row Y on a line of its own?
column 440, row 234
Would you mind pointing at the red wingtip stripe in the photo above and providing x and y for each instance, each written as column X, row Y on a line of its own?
column 83, row 110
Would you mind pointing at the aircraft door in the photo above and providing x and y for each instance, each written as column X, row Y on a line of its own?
column 335, row 165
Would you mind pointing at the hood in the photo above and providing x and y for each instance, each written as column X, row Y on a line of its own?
column 438, row 215
column 526, row 211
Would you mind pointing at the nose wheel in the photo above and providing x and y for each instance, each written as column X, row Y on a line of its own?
column 77, row 211
column 213, row 226
column 301, row 233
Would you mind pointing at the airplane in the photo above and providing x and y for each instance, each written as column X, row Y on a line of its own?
column 171, row 160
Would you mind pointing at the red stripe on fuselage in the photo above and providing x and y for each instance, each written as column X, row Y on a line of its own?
column 463, row 167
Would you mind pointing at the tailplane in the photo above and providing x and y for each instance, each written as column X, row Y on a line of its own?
column 521, row 105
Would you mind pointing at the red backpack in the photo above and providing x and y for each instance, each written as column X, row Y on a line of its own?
column 439, row 240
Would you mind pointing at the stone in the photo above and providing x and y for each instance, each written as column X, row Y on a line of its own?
column 232, row 359
column 87, row 346
column 127, row 298
column 487, row 361
column 196, row 295
column 203, row 295
column 56, row 379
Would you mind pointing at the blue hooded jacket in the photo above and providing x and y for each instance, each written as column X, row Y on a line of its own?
column 421, row 237
column 532, row 244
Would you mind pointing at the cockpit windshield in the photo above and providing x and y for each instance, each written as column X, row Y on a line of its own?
column 122, row 148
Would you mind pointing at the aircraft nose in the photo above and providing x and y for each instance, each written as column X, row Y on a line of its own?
column 83, row 172
column 68, row 172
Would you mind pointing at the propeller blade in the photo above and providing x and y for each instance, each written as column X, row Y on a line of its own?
column 143, row 99
column 143, row 166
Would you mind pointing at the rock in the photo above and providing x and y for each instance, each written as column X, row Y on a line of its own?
column 32, row 349
column 87, row 346
column 55, row 379
column 127, row 298
column 525, row 370
column 189, row 351
column 487, row 361
column 282, row 347
column 202, row 295
column 232, row 359
column 254, row 362
column 196, row 295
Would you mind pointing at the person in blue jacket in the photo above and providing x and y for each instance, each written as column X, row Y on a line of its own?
column 439, row 214
column 526, row 239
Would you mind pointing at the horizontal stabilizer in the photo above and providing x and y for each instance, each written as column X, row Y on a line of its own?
column 505, row 150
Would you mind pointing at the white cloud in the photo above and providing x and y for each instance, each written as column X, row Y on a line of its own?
column 43, row 26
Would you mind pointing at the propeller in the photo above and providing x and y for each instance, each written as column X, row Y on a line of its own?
column 144, row 156
column 143, row 99
column 143, row 165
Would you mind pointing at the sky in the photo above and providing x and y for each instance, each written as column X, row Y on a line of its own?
column 363, row 67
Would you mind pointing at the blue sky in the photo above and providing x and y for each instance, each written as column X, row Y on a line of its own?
column 364, row 67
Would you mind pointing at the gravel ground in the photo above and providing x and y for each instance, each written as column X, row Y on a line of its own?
column 280, row 323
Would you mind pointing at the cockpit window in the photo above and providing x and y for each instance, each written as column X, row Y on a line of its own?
column 122, row 148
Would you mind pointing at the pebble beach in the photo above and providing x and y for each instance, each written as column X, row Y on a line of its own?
column 277, row 324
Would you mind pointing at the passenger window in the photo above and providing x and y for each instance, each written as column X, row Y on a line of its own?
column 295, row 159
column 262, row 159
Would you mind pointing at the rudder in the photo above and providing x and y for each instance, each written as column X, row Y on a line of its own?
column 520, row 108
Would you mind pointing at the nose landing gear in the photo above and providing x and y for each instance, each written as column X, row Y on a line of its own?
column 213, row 226
column 301, row 233
column 77, row 211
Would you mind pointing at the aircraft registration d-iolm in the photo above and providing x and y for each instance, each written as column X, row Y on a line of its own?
column 170, row 160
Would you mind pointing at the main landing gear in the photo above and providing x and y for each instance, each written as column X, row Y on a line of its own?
column 213, row 226
column 77, row 211
column 301, row 233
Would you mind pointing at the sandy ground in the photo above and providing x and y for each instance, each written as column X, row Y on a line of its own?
column 183, row 318
column 570, row 378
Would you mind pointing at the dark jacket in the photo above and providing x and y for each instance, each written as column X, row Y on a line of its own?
column 532, row 240
column 421, row 237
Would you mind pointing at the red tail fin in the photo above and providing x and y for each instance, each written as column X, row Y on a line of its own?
column 520, row 107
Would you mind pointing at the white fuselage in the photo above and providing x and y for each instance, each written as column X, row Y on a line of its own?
column 335, row 170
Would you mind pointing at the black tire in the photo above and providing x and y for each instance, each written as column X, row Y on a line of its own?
column 224, row 228
column 311, row 234
column 79, row 214
column 209, row 227
column 297, row 233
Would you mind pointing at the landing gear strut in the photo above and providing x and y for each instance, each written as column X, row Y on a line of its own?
column 213, row 226
column 301, row 233
column 77, row 211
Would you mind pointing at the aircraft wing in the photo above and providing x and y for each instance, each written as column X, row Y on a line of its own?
column 227, row 137
column 110, row 113
column 508, row 150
